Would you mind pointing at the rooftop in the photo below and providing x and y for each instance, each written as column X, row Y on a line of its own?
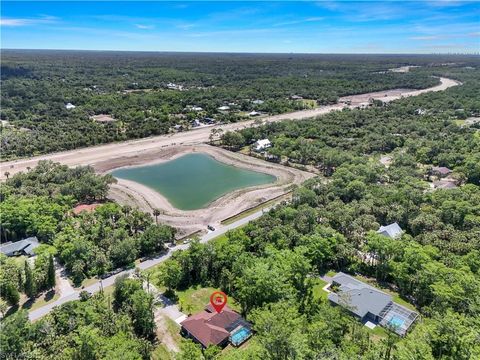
column 362, row 299
column 84, row 207
column 441, row 170
column 26, row 246
column 359, row 297
column 392, row 231
column 212, row 328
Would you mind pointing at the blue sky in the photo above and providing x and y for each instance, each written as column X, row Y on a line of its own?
column 297, row 27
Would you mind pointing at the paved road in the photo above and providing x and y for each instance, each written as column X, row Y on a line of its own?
column 96, row 154
column 38, row 313
column 89, row 156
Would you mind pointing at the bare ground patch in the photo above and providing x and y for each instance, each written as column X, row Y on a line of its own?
column 135, row 194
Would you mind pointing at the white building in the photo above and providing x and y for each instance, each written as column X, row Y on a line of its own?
column 69, row 106
column 392, row 231
column 262, row 144
column 258, row 102
column 224, row 108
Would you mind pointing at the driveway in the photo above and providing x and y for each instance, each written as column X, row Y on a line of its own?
column 69, row 296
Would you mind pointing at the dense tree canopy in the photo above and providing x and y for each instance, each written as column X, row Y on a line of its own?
column 133, row 89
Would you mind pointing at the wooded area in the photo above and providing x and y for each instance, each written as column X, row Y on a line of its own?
column 136, row 90
column 272, row 266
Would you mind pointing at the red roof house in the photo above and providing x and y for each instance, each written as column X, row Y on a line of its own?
column 211, row 328
column 84, row 207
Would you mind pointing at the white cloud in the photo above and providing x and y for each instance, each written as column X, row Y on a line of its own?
column 27, row 21
column 428, row 37
column 185, row 26
column 144, row 27
column 299, row 21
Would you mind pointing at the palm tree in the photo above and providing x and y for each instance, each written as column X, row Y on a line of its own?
column 156, row 213
column 127, row 209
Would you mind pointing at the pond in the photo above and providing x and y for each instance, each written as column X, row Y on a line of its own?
column 193, row 181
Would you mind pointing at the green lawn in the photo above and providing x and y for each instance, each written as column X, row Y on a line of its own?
column 195, row 299
column 161, row 353
column 331, row 273
column 378, row 333
column 170, row 329
column 40, row 301
column 318, row 292
column 85, row 282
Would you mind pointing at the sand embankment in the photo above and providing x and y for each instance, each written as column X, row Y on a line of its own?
column 138, row 195
column 96, row 154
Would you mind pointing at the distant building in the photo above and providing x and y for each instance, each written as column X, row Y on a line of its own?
column 263, row 144
column 224, row 108
column 258, row 102
column 392, row 231
column 254, row 113
column 445, row 184
column 22, row 247
column 208, row 120
column 69, row 106
column 441, row 171
column 173, row 86
column 211, row 328
column 196, row 123
column 296, row 97
column 370, row 304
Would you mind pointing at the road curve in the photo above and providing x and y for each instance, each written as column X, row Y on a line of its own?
column 91, row 155
column 94, row 154
column 146, row 264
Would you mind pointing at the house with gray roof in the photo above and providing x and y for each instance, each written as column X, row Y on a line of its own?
column 392, row 231
column 22, row 247
column 441, row 171
column 370, row 304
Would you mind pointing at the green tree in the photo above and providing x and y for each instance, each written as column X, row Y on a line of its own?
column 280, row 330
column 189, row 351
column 142, row 314
column 124, row 289
column 156, row 213
column 233, row 140
column 171, row 274
column 211, row 352
column 51, row 279
column 10, row 294
column 13, row 333
column 30, row 289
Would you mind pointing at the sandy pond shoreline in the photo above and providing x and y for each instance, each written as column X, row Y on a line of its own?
column 188, row 221
column 107, row 157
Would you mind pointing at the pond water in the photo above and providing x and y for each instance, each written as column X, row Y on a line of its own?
column 193, row 181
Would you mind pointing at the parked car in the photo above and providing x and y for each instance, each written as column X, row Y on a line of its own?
column 211, row 228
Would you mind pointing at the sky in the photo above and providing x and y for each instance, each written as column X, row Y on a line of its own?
column 446, row 26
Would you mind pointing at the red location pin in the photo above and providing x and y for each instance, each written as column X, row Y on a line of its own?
column 218, row 300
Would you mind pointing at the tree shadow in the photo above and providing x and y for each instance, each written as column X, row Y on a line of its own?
column 46, row 297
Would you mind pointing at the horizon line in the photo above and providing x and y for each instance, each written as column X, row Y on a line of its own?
column 246, row 53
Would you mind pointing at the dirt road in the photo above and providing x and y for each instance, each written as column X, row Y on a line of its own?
column 95, row 154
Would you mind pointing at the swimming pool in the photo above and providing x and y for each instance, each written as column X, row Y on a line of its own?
column 238, row 337
column 396, row 322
